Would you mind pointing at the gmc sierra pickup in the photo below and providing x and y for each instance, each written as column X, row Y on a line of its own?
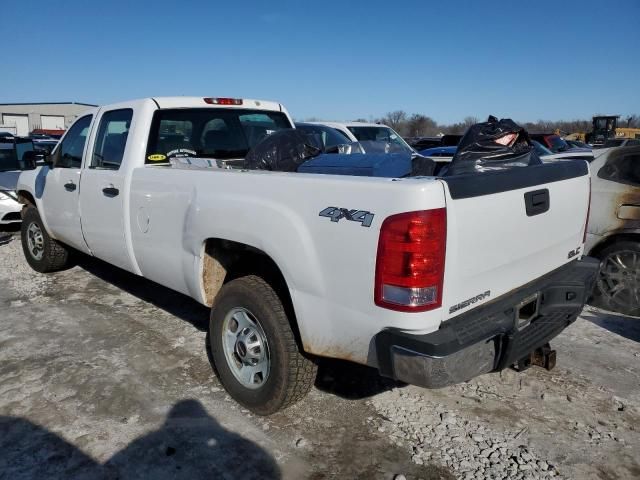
column 430, row 280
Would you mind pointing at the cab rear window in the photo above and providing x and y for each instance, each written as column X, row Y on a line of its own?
column 222, row 133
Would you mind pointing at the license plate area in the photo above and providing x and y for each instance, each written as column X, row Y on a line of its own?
column 527, row 310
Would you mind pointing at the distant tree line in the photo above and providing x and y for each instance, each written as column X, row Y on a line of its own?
column 418, row 125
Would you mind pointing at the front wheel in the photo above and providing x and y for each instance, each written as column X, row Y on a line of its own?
column 254, row 348
column 618, row 285
column 43, row 253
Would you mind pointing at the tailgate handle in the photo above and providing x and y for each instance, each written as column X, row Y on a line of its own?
column 536, row 202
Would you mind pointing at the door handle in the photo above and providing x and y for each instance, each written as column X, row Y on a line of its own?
column 69, row 186
column 110, row 191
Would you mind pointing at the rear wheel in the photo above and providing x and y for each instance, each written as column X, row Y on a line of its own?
column 254, row 348
column 43, row 253
column 618, row 285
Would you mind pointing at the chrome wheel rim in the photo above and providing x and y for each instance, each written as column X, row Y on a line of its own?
column 619, row 278
column 35, row 241
column 246, row 349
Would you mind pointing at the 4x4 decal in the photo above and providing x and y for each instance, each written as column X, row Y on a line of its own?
column 363, row 217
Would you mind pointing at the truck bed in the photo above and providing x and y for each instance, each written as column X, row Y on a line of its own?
column 492, row 245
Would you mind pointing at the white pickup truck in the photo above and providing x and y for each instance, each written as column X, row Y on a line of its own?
column 430, row 280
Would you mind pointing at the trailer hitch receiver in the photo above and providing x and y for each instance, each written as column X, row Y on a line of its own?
column 543, row 357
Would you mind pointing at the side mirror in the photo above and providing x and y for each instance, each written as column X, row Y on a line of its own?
column 29, row 159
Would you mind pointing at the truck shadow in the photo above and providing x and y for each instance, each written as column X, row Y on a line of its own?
column 164, row 298
column 190, row 444
column 352, row 381
column 338, row 377
column 10, row 228
column 623, row 325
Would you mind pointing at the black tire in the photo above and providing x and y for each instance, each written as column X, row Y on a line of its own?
column 291, row 375
column 624, row 299
column 55, row 256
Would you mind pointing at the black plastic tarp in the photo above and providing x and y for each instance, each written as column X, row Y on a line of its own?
column 283, row 151
column 288, row 150
column 493, row 145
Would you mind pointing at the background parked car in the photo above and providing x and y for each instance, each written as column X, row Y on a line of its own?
column 547, row 155
column 45, row 146
column 328, row 136
column 439, row 154
column 614, row 228
column 450, row 140
column 370, row 132
column 39, row 136
column 14, row 157
column 554, row 142
column 577, row 144
column 423, row 143
column 621, row 142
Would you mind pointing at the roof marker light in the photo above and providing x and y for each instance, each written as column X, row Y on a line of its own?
column 223, row 101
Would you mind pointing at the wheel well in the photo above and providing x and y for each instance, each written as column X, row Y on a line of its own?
column 611, row 239
column 225, row 260
column 26, row 198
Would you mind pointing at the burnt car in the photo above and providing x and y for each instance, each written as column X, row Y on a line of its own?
column 613, row 234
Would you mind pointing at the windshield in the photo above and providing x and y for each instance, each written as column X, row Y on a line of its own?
column 380, row 134
column 557, row 144
column 222, row 133
column 541, row 149
column 330, row 137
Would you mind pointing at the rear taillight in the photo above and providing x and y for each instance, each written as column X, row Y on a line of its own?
column 586, row 222
column 410, row 261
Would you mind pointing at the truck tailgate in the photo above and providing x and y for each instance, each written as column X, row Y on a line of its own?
column 507, row 228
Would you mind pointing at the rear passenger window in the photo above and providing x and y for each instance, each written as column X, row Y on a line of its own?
column 111, row 139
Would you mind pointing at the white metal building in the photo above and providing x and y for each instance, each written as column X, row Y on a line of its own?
column 23, row 118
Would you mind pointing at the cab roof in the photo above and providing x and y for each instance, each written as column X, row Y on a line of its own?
column 199, row 102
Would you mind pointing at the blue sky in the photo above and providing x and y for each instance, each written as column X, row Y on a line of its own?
column 339, row 60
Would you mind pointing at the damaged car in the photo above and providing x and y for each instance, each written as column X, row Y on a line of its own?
column 614, row 228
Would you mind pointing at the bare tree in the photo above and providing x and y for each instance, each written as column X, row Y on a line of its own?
column 420, row 125
column 632, row 121
column 468, row 121
column 396, row 120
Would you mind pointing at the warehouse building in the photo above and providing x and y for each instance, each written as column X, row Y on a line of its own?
column 52, row 118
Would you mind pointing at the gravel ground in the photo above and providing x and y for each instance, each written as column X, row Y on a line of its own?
column 578, row 421
column 467, row 447
column 105, row 375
